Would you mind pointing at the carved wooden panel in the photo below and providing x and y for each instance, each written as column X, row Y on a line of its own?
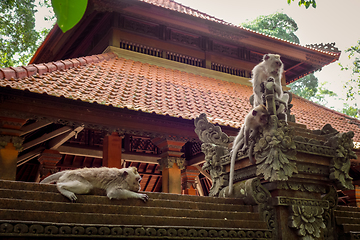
column 141, row 27
column 184, row 38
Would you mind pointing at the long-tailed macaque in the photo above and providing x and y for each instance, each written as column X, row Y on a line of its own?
column 256, row 118
column 270, row 68
column 119, row 183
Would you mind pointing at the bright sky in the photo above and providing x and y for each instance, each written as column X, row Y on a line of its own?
column 331, row 21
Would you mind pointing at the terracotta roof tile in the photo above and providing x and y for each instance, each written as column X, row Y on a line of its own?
column 124, row 83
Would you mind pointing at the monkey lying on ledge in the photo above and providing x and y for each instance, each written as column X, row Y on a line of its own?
column 119, row 183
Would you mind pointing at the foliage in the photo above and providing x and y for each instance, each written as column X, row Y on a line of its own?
column 321, row 94
column 277, row 25
column 17, row 34
column 68, row 12
column 351, row 111
column 306, row 3
column 353, row 85
column 305, row 87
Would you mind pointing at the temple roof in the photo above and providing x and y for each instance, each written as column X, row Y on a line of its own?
column 172, row 29
column 120, row 82
column 178, row 7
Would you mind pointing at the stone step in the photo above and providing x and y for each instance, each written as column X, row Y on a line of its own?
column 16, row 204
column 17, row 185
column 125, row 219
column 154, row 201
column 348, row 214
column 347, row 220
column 351, row 227
column 347, row 209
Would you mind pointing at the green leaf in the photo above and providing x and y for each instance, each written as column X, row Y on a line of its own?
column 68, row 13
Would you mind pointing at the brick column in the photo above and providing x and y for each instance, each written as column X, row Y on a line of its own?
column 10, row 146
column 48, row 160
column 188, row 176
column 112, row 146
column 171, row 164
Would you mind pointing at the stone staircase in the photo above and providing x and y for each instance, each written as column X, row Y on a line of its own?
column 348, row 222
column 32, row 210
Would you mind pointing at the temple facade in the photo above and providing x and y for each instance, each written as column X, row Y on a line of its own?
column 134, row 83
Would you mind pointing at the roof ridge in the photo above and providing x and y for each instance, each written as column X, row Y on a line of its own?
column 329, row 109
column 42, row 68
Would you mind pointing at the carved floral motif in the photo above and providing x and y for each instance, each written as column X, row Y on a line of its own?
column 307, row 220
column 340, row 163
column 274, row 150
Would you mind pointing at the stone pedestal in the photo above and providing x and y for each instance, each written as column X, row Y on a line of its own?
column 294, row 181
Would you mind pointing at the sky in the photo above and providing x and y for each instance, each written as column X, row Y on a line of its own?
column 331, row 21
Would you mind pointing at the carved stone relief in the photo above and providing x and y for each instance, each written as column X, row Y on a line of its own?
column 214, row 146
column 275, row 152
column 168, row 162
column 340, row 163
column 16, row 141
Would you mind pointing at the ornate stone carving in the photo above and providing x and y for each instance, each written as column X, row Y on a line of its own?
column 340, row 163
column 304, row 187
column 275, row 151
column 168, row 162
column 214, row 146
column 17, row 141
column 329, row 217
column 307, row 221
column 27, row 229
column 212, row 164
column 209, row 133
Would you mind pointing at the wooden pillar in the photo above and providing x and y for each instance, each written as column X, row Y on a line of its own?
column 171, row 174
column 188, row 176
column 171, row 164
column 112, row 146
column 48, row 160
column 10, row 146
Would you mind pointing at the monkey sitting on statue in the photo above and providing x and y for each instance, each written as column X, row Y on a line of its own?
column 119, row 183
column 269, row 70
column 254, row 120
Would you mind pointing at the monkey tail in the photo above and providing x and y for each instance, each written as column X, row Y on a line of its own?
column 251, row 150
column 52, row 178
column 237, row 143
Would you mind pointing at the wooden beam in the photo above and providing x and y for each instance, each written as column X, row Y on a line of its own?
column 97, row 153
column 203, row 172
column 34, row 126
column 198, row 186
column 28, row 156
column 80, row 151
column 46, row 137
column 60, row 140
column 198, row 159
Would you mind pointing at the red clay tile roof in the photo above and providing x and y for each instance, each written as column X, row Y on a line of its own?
column 123, row 83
